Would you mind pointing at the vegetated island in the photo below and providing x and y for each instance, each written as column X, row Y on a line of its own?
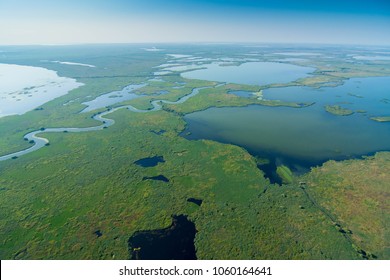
column 338, row 110
column 381, row 119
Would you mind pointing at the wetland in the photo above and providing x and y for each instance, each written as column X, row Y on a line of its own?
column 239, row 161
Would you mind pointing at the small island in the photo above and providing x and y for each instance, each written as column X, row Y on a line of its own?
column 381, row 119
column 338, row 110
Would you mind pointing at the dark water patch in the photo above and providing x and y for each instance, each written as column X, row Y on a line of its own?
column 158, row 132
column 98, row 233
column 157, row 178
column 173, row 243
column 195, row 200
column 269, row 171
column 149, row 161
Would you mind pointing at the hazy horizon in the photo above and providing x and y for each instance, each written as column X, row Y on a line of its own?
column 156, row 44
column 72, row 22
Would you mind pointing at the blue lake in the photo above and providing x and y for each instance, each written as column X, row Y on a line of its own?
column 303, row 137
column 250, row 73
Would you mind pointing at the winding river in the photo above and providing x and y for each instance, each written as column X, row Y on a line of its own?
column 40, row 142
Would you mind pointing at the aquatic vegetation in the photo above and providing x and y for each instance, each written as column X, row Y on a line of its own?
column 338, row 110
column 285, row 174
column 381, row 119
column 355, row 95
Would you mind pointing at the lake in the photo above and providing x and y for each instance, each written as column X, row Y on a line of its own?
column 302, row 137
column 250, row 73
column 24, row 88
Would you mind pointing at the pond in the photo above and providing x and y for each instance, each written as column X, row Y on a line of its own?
column 149, row 161
column 250, row 73
column 173, row 243
column 157, row 178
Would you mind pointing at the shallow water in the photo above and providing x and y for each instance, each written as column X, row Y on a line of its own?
column 113, row 97
column 369, row 94
column 250, row 73
column 23, row 88
column 40, row 142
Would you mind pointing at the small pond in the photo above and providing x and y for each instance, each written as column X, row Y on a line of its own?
column 149, row 161
column 173, row 243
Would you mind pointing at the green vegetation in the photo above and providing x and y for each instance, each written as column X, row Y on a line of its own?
column 338, row 110
column 218, row 97
column 101, row 189
column 285, row 174
column 381, row 119
column 356, row 193
column 261, row 161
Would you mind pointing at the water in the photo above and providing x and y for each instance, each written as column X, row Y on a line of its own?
column 377, row 57
column 368, row 94
column 40, row 142
column 157, row 178
column 23, row 88
column 150, row 161
column 251, row 73
column 113, row 97
column 173, row 243
column 195, row 201
column 304, row 137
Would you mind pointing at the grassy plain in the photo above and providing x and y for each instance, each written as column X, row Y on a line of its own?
column 357, row 194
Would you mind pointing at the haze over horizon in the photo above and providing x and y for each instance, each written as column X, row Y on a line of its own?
column 118, row 21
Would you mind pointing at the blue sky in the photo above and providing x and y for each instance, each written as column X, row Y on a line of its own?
column 119, row 21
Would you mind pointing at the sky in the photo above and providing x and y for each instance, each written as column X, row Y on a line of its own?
column 26, row 22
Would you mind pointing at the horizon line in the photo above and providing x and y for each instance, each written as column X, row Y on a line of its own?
column 192, row 43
